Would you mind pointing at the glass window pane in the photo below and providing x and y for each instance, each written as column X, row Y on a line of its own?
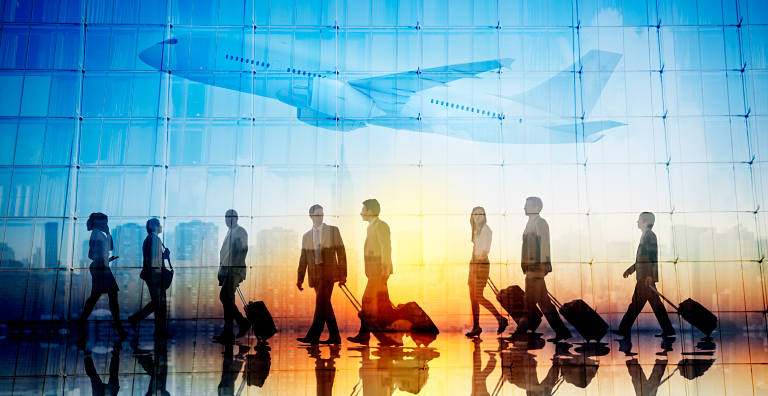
column 13, row 46
column 42, row 41
column 23, row 194
column 53, row 192
column 29, row 146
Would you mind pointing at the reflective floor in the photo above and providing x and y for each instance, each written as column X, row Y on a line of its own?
column 44, row 360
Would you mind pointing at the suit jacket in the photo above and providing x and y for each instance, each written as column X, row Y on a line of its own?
column 535, row 252
column 334, row 257
column 232, row 255
column 647, row 259
column 378, row 250
column 153, row 259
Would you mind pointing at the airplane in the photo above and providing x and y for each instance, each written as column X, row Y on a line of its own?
column 418, row 100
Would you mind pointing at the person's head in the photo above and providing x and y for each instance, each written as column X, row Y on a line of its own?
column 477, row 219
column 645, row 221
column 533, row 206
column 96, row 220
column 154, row 227
column 231, row 218
column 371, row 209
column 316, row 214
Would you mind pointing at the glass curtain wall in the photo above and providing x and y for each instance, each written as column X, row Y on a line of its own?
column 606, row 109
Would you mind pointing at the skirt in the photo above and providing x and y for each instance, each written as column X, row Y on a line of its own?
column 103, row 281
column 478, row 273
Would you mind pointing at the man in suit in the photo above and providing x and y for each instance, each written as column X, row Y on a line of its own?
column 376, row 306
column 232, row 272
column 536, row 264
column 324, row 257
column 646, row 267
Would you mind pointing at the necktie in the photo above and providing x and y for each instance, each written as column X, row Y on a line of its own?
column 317, row 246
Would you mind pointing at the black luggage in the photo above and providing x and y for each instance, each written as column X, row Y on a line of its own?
column 420, row 321
column 512, row 299
column 259, row 317
column 583, row 318
column 257, row 366
column 694, row 313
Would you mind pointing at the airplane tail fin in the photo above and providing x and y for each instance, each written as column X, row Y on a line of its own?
column 560, row 94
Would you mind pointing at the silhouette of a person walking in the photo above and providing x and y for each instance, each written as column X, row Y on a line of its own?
column 536, row 263
column 479, row 268
column 232, row 271
column 98, row 387
column 325, row 369
column 376, row 306
column 102, row 279
column 322, row 256
column 646, row 386
column 646, row 268
column 155, row 254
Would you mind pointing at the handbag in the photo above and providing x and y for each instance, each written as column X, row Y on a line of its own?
column 167, row 274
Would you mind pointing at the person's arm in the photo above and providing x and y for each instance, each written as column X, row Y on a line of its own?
column 652, row 247
column 302, row 266
column 341, row 256
column 386, row 249
column 546, row 262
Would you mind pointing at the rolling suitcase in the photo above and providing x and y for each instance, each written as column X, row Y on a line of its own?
column 512, row 299
column 583, row 318
column 259, row 317
column 420, row 321
column 694, row 313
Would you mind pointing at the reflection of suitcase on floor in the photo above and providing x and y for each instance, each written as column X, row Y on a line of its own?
column 257, row 366
column 512, row 299
column 259, row 317
column 583, row 318
column 694, row 313
column 420, row 321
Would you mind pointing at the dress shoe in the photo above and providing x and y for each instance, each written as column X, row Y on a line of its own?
column 667, row 333
column 307, row 340
column 560, row 337
column 242, row 328
column 359, row 340
column 503, row 323
column 621, row 333
column 225, row 338
column 331, row 341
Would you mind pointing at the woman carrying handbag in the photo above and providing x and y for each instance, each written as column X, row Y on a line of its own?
column 157, row 277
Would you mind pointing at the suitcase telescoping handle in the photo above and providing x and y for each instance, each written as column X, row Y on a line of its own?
column 241, row 297
column 665, row 299
column 493, row 287
column 554, row 300
column 351, row 297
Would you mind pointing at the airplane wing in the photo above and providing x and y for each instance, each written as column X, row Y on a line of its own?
column 392, row 91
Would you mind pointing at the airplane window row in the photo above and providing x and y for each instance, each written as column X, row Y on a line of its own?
column 303, row 73
column 465, row 108
column 243, row 60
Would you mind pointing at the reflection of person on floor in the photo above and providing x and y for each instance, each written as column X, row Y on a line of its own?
column 103, row 281
column 155, row 254
column 479, row 268
column 376, row 306
column 156, row 368
column 646, row 268
column 536, row 264
column 232, row 271
column 98, row 387
column 231, row 367
column 649, row 386
column 523, row 374
column 480, row 376
column 405, row 369
column 322, row 256
column 325, row 369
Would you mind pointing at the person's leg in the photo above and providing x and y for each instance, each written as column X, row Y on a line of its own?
column 318, row 320
column 161, row 310
column 634, row 309
column 368, row 303
column 548, row 309
column 330, row 316
column 225, row 296
column 114, row 307
column 475, row 307
column 529, row 305
column 150, row 307
column 659, row 310
column 90, row 303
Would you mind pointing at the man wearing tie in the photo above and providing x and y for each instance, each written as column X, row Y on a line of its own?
column 324, row 257
column 646, row 267
column 376, row 306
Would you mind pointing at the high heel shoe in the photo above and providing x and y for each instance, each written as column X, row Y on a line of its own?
column 474, row 332
column 503, row 323
column 120, row 330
